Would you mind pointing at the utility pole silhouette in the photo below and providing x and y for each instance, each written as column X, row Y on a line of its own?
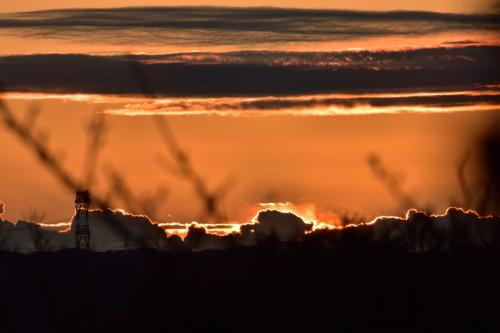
column 82, row 228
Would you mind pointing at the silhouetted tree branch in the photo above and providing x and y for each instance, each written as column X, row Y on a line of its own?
column 96, row 132
column 26, row 131
column 462, row 179
column 391, row 182
column 211, row 200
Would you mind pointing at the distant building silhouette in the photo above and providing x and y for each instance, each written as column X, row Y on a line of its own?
column 82, row 228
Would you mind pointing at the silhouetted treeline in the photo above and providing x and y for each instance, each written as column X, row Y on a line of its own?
column 272, row 287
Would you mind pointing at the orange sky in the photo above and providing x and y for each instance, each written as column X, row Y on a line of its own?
column 320, row 161
column 310, row 157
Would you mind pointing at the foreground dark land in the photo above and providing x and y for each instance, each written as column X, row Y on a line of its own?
column 272, row 287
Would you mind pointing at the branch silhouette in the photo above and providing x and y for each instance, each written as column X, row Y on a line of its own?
column 211, row 199
column 37, row 140
column 26, row 131
column 391, row 182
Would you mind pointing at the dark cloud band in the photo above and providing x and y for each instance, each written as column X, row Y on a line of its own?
column 257, row 73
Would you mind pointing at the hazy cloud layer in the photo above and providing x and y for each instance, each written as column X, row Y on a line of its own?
column 235, row 26
column 258, row 73
column 312, row 105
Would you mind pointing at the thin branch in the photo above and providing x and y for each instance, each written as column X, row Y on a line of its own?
column 25, row 131
column 96, row 130
column 210, row 199
column 38, row 145
column 462, row 179
column 391, row 182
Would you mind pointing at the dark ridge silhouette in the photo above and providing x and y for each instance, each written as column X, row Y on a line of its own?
column 272, row 287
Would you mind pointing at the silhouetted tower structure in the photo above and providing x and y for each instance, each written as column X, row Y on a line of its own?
column 82, row 229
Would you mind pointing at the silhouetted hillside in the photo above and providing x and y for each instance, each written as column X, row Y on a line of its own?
column 275, row 286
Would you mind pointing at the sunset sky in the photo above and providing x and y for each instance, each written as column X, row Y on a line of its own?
column 285, row 104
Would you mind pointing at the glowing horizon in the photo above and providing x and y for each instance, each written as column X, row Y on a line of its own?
column 291, row 101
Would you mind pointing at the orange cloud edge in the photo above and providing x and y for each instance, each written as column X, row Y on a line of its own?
column 307, row 212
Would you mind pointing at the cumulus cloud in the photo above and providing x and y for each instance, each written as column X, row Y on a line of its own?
column 248, row 26
column 110, row 231
column 285, row 226
column 25, row 237
column 269, row 225
column 136, row 231
column 417, row 232
column 420, row 231
column 199, row 239
column 275, row 74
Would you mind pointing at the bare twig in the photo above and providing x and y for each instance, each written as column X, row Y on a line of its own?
column 211, row 200
column 39, row 146
column 96, row 130
column 462, row 179
column 26, row 132
column 391, row 183
column 143, row 204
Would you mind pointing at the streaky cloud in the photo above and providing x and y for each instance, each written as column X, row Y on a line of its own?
column 235, row 26
column 312, row 105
